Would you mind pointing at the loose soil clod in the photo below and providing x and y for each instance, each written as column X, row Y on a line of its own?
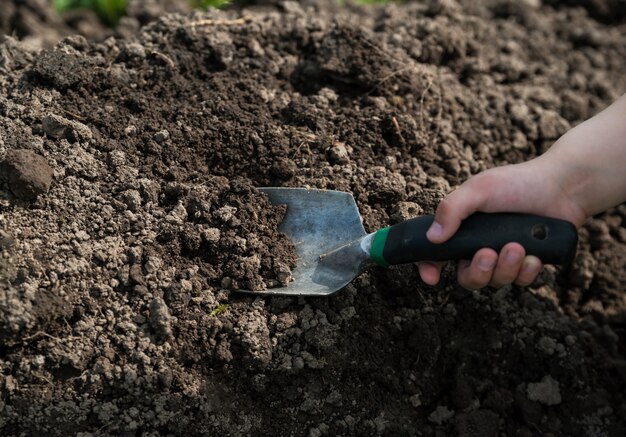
column 26, row 174
column 116, row 315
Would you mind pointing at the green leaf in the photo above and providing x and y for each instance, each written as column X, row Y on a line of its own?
column 219, row 310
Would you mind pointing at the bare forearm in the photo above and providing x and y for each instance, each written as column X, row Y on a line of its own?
column 590, row 160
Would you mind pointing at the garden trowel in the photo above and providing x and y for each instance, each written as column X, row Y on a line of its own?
column 332, row 246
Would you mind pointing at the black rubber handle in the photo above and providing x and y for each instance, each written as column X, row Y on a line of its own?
column 553, row 241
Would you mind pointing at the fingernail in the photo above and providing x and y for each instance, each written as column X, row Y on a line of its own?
column 530, row 267
column 486, row 263
column 435, row 231
column 512, row 257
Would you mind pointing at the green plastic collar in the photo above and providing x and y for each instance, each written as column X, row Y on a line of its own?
column 380, row 238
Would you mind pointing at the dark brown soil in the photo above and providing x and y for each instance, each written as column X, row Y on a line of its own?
column 115, row 310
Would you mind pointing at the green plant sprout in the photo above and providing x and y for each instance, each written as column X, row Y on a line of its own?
column 219, row 310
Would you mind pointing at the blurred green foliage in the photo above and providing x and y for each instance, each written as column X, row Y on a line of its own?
column 206, row 4
column 372, row 2
column 110, row 11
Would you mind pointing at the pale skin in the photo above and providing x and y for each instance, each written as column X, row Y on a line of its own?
column 582, row 174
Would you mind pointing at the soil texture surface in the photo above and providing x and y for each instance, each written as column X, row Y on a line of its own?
column 129, row 211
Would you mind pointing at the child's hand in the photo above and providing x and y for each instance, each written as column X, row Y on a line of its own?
column 581, row 175
column 528, row 188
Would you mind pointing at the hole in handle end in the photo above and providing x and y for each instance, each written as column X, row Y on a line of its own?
column 539, row 231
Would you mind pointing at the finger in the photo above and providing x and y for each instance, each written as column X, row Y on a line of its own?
column 452, row 210
column 529, row 271
column 509, row 265
column 430, row 272
column 478, row 273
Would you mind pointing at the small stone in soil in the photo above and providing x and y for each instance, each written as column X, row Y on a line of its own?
column 26, row 174
column 161, row 136
column 405, row 210
column 160, row 318
column 546, row 391
column 338, row 154
column 283, row 273
column 59, row 128
column 440, row 415
column 6, row 240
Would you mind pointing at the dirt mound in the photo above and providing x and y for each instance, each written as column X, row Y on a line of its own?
column 115, row 310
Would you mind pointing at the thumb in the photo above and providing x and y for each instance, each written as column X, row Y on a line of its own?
column 455, row 208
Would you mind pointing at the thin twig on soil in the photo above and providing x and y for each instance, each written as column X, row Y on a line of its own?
column 40, row 334
column 392, row 57
column 48, row 380
column 164, row 58
column 445, row 300
column 308, row 149
column 394, row 73
column 398, row 130
column 385, row 52
column 67, row 324
column 303, row 143
column 389, row 76
column 77, row 117
column 437, row 120
column 79, row 376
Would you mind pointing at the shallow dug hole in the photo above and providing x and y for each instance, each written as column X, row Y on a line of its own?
column 129, row 212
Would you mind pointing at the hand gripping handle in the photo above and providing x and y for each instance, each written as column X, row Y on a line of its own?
column 551, row 240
